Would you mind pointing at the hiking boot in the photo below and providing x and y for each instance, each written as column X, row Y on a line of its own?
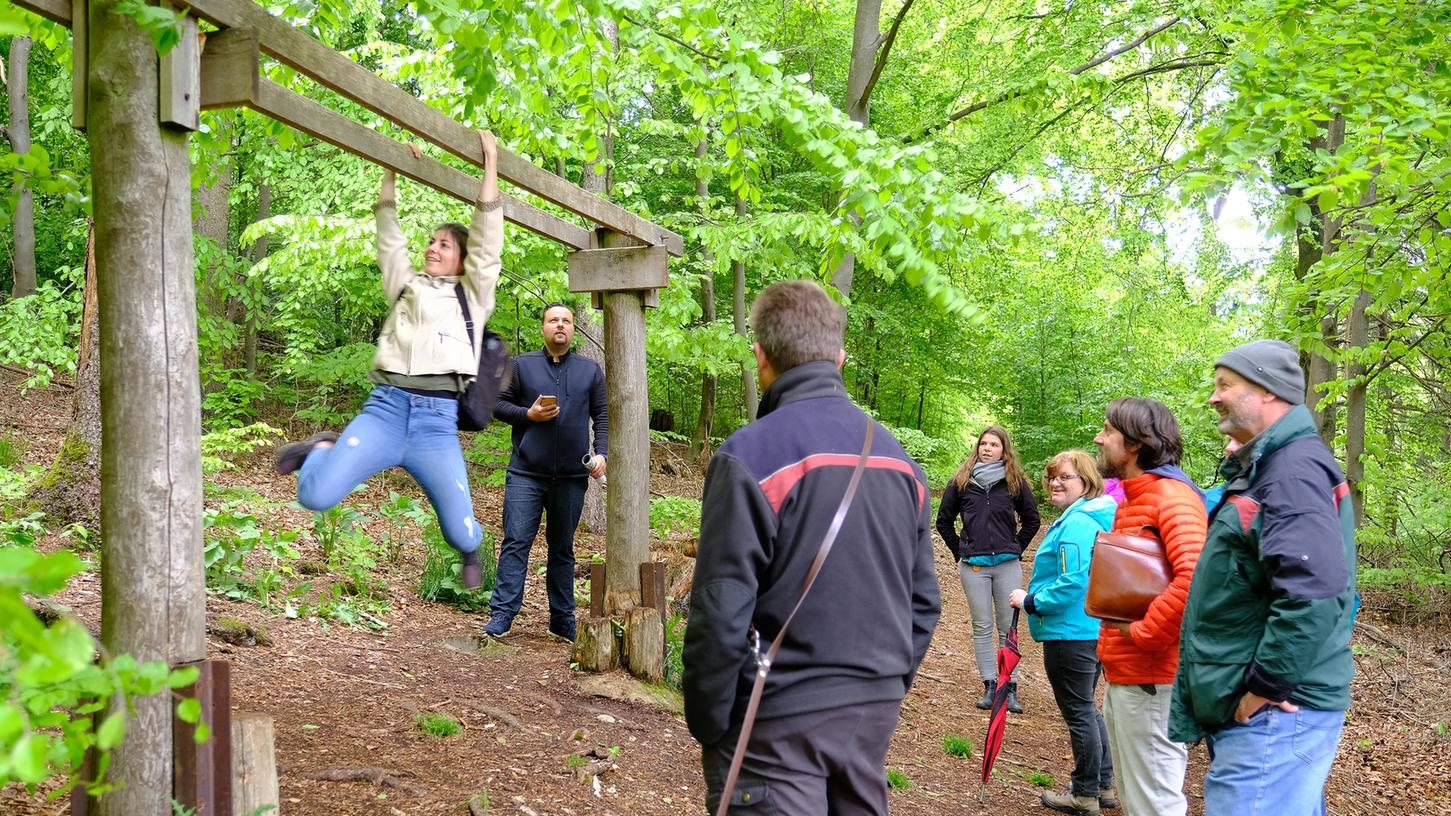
column 1013, row 704
column 562, row 628
column 986, row 701
column 472, row 574
column 1107, row 799
column 1067, row 802
column 291, row 456
column 498, row 624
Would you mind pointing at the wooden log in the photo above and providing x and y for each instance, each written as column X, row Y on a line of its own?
column 154, row 596
column 594, row 645
column 645, row 644
column 203, row 781
column 254, row 776
column 627, row 534
column 303, row 114
column 231, row 69
column 180, row 95
column 620, row 269
column 332, row 70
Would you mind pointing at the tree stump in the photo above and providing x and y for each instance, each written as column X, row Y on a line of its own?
column 254, row 764
column 645, row 644
column 594, row 645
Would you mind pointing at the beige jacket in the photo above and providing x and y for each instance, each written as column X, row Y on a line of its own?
column 425, row 331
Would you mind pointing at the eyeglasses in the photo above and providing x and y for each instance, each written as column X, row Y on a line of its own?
column 1063, row 479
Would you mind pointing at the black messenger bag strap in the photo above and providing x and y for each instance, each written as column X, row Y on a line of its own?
column 763, row 662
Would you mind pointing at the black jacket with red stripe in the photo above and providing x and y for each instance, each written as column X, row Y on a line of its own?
column 770, row 494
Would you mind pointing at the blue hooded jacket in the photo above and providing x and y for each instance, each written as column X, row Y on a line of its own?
column 1060, row 572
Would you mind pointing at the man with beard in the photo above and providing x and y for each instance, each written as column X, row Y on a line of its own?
column 1266, row 670
column 1140, row 444
column 552, row 398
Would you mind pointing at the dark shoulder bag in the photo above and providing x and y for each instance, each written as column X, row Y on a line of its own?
column 476, row 402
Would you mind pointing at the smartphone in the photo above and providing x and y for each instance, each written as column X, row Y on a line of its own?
column 546, row 400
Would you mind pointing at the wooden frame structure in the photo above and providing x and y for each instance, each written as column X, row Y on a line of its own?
column 151, row 420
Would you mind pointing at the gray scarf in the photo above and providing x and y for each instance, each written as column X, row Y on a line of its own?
column 987, row 474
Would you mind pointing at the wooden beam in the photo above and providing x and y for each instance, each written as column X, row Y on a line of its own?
column 623, row 269
column 335, row 71
column 305, row 115
column 181, row 80
column 231, row 69
column 80, row 58
column 56, row 11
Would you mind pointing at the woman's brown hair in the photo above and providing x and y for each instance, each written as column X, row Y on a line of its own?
column 1012, row 469
column 1083, row 464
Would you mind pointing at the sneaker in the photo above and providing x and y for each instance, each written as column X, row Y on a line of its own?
column 498, row 624
column 291, row 456
column 563, row 628
column 1107, row 799
column 1067, row 802
column 473, row 574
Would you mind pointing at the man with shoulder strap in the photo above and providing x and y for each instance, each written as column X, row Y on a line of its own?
column 1266, row 668
column 773, row 494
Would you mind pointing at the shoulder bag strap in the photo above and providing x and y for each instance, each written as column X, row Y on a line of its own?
column 763, row 662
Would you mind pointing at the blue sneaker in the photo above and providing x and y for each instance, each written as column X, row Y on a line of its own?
column 498, row 624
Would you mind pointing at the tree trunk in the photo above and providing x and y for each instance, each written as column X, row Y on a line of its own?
column 700, row 442
column 1357, row 337
column 865, row 39
column 1322, row 367
column 628, row 542
column 71, row 491
column 252, row 319
column 738, row 319
column 213, row 217
column 23, row 228
column 152, row 587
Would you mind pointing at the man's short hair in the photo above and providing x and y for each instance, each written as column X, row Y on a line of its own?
column 555, row 305
column 1149, row 424
column 797, row 322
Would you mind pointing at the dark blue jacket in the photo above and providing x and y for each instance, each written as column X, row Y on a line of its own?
column 555, row 448
column 770, row 494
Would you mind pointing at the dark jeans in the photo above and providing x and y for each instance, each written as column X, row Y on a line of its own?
column 1073, row 670
column 826, row 762
column 526, row 498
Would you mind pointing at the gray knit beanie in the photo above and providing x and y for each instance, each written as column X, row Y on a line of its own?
column 1272, row 365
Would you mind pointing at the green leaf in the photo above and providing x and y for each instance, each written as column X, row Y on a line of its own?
column 189, row 710
column 112, row 731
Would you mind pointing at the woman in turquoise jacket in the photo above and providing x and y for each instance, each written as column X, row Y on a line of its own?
column 1054, row 603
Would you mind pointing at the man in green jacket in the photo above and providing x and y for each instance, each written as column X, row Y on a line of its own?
column 1265, row 664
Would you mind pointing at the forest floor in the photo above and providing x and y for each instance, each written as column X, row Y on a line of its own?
column 345, row 697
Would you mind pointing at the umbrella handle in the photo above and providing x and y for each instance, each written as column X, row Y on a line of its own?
column 1016, row 610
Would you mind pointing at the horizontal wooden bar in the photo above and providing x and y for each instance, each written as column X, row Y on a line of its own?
column 231, row 69
column 56, row 11
column 303, row 114
column 335, row 71
column 619, row 269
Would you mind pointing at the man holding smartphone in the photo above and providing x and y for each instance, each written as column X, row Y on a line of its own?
column 552, row 399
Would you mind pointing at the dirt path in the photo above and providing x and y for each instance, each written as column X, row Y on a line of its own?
column 347, row 698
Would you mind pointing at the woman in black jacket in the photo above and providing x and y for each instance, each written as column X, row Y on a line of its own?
column 992, row 498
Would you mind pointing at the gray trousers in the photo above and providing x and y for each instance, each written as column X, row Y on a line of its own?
column 825, row 762
column 987, row 590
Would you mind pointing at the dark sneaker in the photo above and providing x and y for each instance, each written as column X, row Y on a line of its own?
column 1107, row 799
column 563, row 628
column 473, row 574
column 498, row 624
column 1066, row 802
column 291, row 456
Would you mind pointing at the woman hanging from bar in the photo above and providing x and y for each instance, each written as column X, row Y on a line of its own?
column 425, row 359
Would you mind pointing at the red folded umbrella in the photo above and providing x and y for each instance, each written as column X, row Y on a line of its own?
column 997, row 723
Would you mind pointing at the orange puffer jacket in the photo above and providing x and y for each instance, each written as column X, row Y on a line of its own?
column 1175, row 508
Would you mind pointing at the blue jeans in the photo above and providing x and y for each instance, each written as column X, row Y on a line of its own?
column 526, row 498
column 1276, row 764
column 398, row 429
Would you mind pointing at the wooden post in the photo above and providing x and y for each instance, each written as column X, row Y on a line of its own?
column 594, row 645
column 645, row 644
column 203, row 781
column 652, row 586
column 154, row 596
column 597, row 590
column 80, row 55
column 254, row 780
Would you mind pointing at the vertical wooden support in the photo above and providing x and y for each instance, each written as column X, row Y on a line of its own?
column 594, row 645
column 203, row 780
column 80, row 55
column 153, row 592
column 597, row 590
column 627, row 513
column 254, row 763
column 180, row 93
column 652, row 586
column 645, row 644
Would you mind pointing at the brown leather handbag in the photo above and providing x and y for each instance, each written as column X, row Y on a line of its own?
column 1127, row 572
